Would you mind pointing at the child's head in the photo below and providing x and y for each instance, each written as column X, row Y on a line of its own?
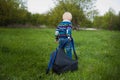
column 67, row 16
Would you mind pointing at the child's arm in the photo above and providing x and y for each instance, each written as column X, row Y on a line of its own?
column 56, row 34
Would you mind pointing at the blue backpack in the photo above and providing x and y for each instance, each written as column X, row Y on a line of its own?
column 60, row 62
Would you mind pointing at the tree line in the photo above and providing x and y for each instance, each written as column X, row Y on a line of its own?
column 84, row 15
column 109, row 20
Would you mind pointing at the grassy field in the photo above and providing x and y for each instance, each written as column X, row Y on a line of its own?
column 24, row 55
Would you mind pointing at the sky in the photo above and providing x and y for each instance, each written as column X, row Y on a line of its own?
column 42, row 6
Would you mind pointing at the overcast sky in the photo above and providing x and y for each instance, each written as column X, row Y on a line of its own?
column 42, row 6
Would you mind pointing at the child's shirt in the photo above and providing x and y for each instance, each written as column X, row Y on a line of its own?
column 64, row 29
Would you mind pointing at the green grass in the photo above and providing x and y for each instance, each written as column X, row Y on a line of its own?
column 24, row 55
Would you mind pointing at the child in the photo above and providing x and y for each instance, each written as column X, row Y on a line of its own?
column 63, row 32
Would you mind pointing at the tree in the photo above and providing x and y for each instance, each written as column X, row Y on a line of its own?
column 108, row 21
column 11, row 12
column 56, row 13
column 115, row 22
column 86, row 5
column 38, row 19
column 98, row 21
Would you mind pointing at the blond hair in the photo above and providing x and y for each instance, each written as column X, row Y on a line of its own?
column 67, row 16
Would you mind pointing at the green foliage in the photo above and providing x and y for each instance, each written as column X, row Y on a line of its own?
column 24, row 55
column 57, row 12
column 108, row 21
column 82, row 11
column 11, row 12
column 98, row 21
column 15, row 12
column 87, row 6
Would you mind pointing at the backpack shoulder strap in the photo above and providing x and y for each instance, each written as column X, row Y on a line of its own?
column 51, row 62
column 72, row 41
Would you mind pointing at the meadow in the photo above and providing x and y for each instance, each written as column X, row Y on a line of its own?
column 25, row 53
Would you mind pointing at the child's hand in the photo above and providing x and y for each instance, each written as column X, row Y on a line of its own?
column 56, row 41
column 69, row 38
